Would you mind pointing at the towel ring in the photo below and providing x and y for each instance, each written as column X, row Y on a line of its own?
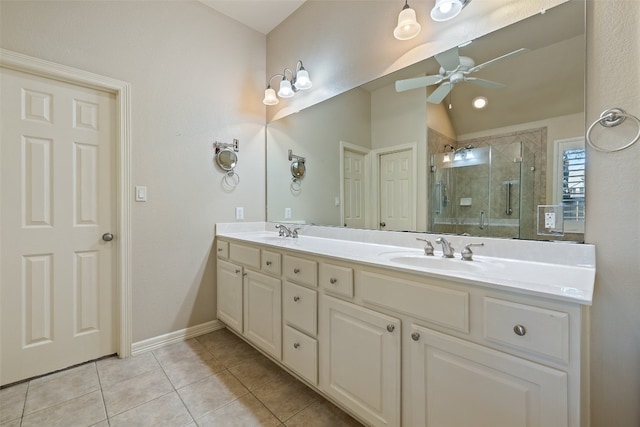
column 610, row 118
column 231, row 179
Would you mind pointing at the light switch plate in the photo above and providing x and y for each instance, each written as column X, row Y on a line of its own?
column 141, row 193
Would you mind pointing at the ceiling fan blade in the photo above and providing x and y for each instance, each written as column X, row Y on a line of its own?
column 439, row 94
column 408, row 84
column 485, row 83
column 499, row 58
column 449, row 59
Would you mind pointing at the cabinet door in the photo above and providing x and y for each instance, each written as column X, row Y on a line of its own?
column 360, row 360
column 458, row 383
column 263, row 312
column 230, row 294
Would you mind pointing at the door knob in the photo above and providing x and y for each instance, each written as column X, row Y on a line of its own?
column 107, row 237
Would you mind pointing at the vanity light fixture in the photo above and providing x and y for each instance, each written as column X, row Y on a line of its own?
column 447, row 9
column 479, row 102
column 288, row 87
column 408, row 26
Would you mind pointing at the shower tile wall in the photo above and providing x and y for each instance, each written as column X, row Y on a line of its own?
column 531, row 182
column 534, row 172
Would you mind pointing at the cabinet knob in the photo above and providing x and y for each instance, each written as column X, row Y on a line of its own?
column 520, row 330
column 390, row 327
column 296, row 344
column 296, row 270
column 237, row 271
column 333, row 280
column 415, row 336
column 268, row 263
column 219, row 249
column 296, row 298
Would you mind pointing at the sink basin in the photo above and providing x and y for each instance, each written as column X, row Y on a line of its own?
column 436, row 263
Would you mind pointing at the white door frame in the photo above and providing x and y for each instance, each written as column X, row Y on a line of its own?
column 347, row 146
column 122, row 91
column 375, row 178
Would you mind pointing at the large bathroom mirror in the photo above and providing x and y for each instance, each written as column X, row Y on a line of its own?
column 398, row 160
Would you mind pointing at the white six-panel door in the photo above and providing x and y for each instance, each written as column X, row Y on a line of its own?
column 57, row 195
column 397, row 204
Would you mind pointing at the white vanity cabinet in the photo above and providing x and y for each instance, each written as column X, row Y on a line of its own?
column 398, row 348
column 459, row 383
column 249, row 301
column 229, row 294
column 263, row 312
column 360, row 360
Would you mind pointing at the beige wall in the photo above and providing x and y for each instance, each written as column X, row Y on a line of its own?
column 337, row 62
column 195, row 76
column 613, row 213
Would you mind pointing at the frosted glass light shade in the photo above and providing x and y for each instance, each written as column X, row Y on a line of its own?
column 303, row 82
column 408, row 26
column 285, row 89
column 270, row 97
column 446, row 9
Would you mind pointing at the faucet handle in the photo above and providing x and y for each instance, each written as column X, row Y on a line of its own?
column 467, row 254
column 428, row 247
column 294, row 233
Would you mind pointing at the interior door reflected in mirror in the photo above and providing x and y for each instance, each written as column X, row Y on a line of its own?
column 463, row 170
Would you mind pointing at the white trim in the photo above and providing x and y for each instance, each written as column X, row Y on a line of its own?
column 122, row 91
column 175, row 336
column 575, row 142
column 375, row 178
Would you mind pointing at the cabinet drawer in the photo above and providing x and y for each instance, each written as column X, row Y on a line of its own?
column 300, row 307
column 271, row 263
column 300, row 353
column 337, row 280
column 301, row 270
column 222, row 249
column 442, row 306
column 534, row 329
column 245, row 255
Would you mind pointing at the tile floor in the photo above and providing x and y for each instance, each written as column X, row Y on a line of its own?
column 212, row 380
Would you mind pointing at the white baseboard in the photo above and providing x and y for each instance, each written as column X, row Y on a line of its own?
column 174, row 337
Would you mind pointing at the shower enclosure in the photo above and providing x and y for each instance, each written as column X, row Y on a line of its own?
column 477, row 191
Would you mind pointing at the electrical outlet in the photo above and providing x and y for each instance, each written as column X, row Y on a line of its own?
column 287, row 213
column 549, row 220
column 239, row 214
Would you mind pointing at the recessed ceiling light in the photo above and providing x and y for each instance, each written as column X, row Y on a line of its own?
column 479, row 102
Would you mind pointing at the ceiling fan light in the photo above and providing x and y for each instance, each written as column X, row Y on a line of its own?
column 270, row 97
column 408, row 26
column 446, row 9
column 285, row 89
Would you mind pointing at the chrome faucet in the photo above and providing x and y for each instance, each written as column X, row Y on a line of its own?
column 428, row 247
column 467, row 254
column 283, row 231
column 447, row 249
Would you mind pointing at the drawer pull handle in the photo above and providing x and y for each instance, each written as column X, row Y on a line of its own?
column 237, row 271
column 333, row 280
column 390, row 327
column 296, row 298
column 296, row 270
column 415, row 336
column 268, row 263
column 520, row 330
column 219, row 249
column 296, row 345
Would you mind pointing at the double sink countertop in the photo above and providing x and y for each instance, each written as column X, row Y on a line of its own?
column 556, row 270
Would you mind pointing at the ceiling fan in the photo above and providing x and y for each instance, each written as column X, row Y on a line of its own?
column 453, row 69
